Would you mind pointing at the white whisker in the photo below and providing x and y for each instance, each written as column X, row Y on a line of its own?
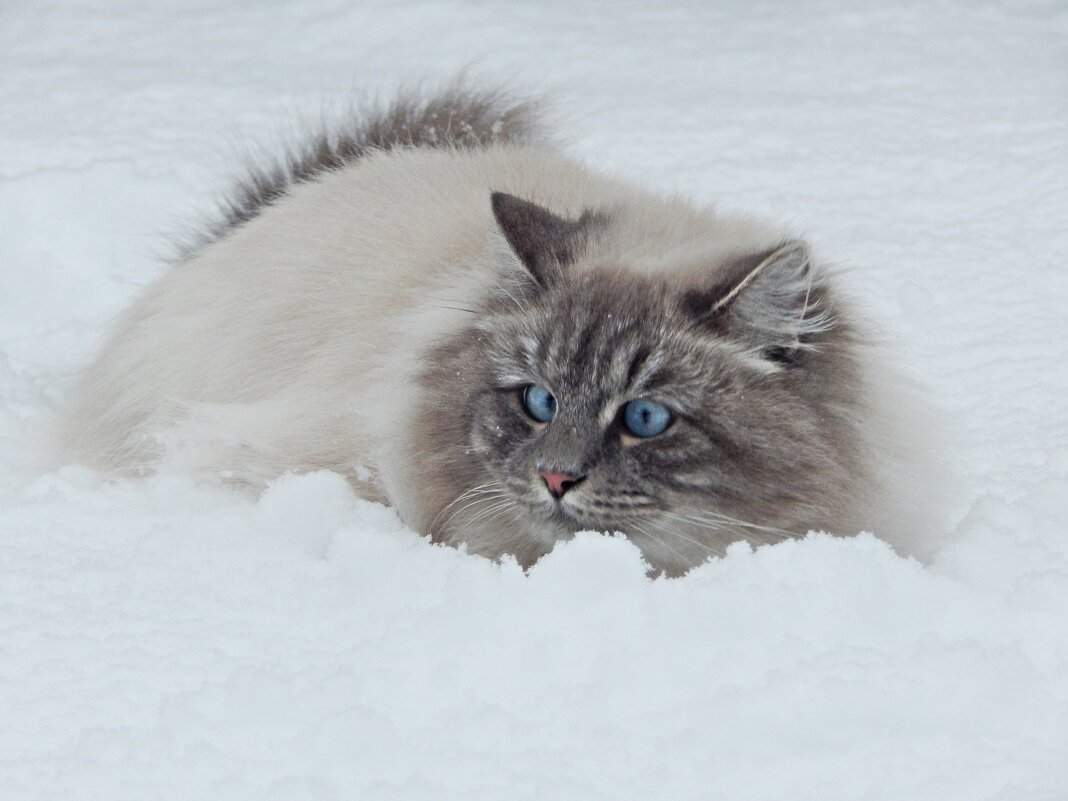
column 717, row 519
column 648, row 533
column 680, row 535
column 489, row 486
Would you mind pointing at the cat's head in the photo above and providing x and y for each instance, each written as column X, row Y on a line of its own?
column 684, row 412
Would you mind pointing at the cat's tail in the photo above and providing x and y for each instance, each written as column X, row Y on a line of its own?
column 456, row 117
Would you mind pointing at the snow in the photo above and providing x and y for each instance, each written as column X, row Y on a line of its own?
column 160, row 639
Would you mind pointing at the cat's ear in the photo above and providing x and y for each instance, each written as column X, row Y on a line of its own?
column 772, row 300
column 544, row 242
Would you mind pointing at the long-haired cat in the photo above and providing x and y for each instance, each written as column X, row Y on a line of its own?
column 508, row 347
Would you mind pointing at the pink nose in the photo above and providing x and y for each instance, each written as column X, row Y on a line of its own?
column 559, row 483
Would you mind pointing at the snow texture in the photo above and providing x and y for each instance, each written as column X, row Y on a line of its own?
column 164, row 640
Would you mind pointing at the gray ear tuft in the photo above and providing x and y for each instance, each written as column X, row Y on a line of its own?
column 544, row 242
column 775, row 302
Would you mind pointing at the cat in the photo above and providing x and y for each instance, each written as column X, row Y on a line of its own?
column 509, row 348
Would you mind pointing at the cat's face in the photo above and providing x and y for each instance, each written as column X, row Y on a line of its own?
column 604, row 400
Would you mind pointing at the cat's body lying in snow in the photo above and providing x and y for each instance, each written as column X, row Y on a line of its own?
column 509, row 348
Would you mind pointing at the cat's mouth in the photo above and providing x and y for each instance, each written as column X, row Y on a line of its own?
column 562, row 513
column 575, row 515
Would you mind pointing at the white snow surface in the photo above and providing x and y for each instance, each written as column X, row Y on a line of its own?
column 165, row 640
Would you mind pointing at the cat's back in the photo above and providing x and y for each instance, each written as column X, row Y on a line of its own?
column 343, row 256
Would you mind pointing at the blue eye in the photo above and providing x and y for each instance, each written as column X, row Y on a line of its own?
column 539, row 403
column 646, row 418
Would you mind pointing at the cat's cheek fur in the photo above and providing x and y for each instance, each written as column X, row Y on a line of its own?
column 456, row 458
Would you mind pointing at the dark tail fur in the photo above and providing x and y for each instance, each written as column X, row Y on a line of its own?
column 457, row 117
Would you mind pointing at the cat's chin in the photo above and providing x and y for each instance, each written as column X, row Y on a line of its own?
column 569, row 519
column 573, row 520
